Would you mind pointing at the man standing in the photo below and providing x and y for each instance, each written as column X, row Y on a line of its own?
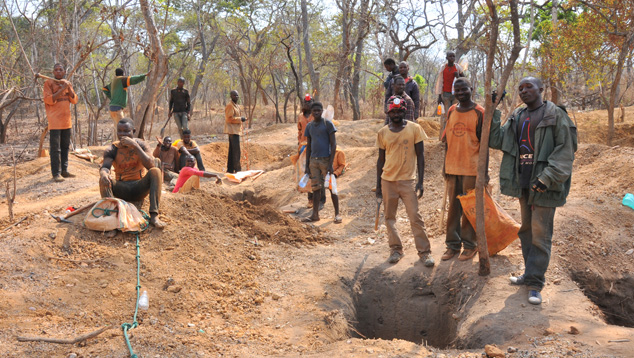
column 321, row 148
column 117, row 92
column 233, row 128
column 399, row 142
column 168, row 155
column 411, row 88
column 398, row 84
column 444, row 84
column 539, row 143
column 390, row 66
column 58, row 95
column 462, row 138
column 135, row 173
column 180, row 106
column 187, row 146
column 303, row 119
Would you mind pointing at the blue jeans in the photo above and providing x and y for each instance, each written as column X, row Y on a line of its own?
column 181, row 122
column 536, row 234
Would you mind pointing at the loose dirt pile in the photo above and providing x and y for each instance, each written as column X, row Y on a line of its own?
column 233, row 276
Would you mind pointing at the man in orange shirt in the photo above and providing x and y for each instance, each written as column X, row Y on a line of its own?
column 462, row 138
column 58, row 95
column 135, row 173
column 233, row 128
column 401, row 162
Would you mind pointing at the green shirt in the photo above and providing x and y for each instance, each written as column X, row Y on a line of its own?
column 116, row 91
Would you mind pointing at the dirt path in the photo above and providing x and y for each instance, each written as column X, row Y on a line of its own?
column 241, row 279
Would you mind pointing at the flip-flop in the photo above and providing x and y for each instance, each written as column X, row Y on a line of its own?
column 338, row 219
column 309, row 220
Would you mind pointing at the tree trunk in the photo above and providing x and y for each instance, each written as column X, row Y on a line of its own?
column 483, row 156
column 146, row 104
column 314, row 79
column 628, row 41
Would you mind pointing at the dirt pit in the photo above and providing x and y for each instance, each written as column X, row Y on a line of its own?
column 416, row 310
column 612, row 295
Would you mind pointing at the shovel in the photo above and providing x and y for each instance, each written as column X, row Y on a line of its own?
column 164, row 125
column 378, row 213
column 65, row 218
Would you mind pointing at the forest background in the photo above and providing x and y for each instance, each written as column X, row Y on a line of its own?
column 273, row 52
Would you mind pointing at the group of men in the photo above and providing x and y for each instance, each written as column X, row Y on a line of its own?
column 538, row 142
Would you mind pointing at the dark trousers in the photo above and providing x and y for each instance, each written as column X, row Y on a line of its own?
column 459, row 234
column 233, row 160
column 199, row 161
column 536, row 234
column 59, row 144
column 136, row 190
column 322, row 199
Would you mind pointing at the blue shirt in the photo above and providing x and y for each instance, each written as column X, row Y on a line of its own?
column 319, row 134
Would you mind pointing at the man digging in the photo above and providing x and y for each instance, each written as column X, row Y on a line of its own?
column 399, row 143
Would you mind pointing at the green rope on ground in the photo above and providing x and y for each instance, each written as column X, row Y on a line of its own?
column 128, row 326
column 106, row 212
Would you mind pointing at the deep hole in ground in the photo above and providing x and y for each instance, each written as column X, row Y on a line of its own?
column 411, row 308
column 614, row 296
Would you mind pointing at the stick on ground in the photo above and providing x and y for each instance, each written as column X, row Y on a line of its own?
column 65, row 341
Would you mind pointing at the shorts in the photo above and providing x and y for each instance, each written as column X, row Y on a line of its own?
column 318, row 169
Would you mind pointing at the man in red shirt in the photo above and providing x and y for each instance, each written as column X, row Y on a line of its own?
column 444, row 85
column 189, row 177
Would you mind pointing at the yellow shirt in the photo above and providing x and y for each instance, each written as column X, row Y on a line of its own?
column 400, row 154
column 233, row 122
column 179, row 144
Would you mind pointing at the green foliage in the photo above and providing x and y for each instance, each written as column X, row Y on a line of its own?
column 422, row 84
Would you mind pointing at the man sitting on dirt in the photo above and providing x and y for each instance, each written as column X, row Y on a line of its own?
column 462, row 138
column 233, row 128
column 187, row 146
column 398, row 85
column 444, row 85
column 189, row 178
column 135, row 173
column 168, row 155
column 58, row 96
column 117, row 92
column 320, row 154
column 303, row 119
column 539, row 143
column 398, row 143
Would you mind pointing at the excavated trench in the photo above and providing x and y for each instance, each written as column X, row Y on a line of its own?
column 411, row 307
column 614, row 296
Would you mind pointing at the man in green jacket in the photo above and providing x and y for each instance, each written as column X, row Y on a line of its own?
column 117, row 93
column 539, row 143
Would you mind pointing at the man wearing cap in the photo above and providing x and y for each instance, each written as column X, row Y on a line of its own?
column 399, row 142
column 180, row 106
column 321, row 148
column 233, row 128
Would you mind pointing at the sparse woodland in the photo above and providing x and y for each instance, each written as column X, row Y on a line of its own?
column 273, row 52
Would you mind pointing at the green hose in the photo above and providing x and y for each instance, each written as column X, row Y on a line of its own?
column 128, row 326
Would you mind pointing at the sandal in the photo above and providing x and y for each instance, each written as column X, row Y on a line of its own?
column 338, row 219
column 309, row 220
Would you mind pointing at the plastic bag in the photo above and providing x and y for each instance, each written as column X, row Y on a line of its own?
column 331, row 181
column 628, row 200
column 500, row 228
column 115, row 214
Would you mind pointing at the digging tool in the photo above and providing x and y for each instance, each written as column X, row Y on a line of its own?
column 163, row 128
column 444, row 205
column 65, row 218
column 378, row 213
column 39, row 75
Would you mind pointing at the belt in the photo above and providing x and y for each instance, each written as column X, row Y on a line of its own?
column 319, row 157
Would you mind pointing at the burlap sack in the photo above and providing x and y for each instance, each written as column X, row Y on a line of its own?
column 114, row 214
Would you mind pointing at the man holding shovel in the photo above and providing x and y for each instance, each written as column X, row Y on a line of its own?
column 399, row 143
column 462, row 142
column 180, row 106
column 58, row 96
column 233, row 128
